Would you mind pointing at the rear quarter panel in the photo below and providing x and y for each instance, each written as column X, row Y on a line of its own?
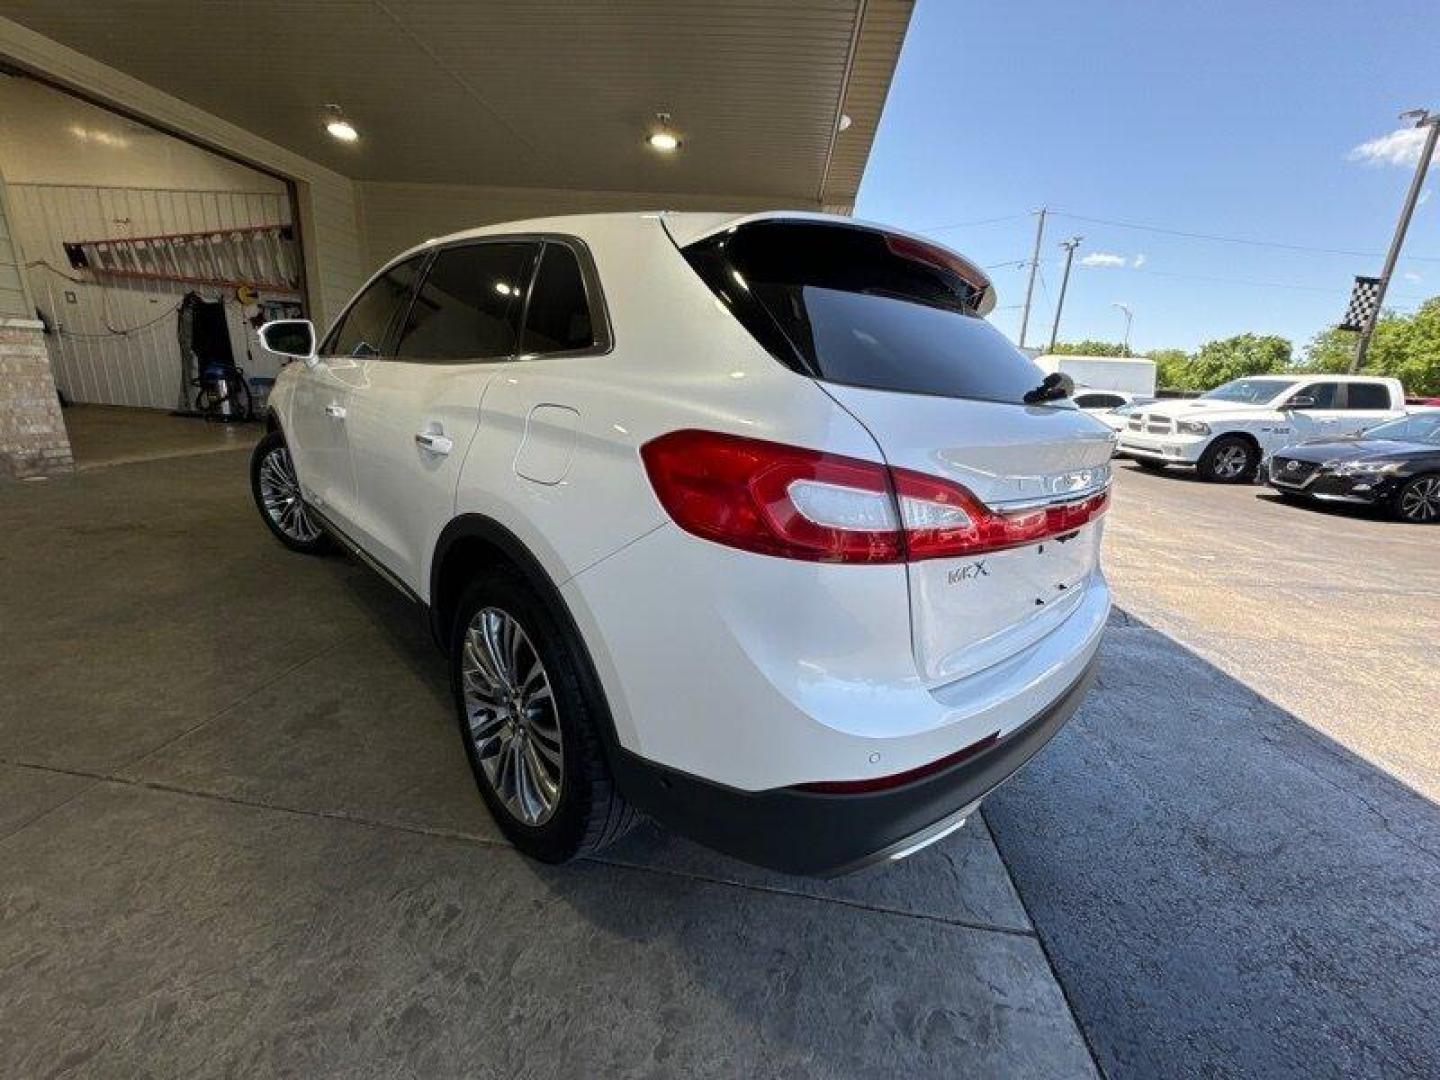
column 678, row 360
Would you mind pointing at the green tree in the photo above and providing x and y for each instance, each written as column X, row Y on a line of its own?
column 1406, row 347
column 1235, row 357
column 1172, row 368
column 1088, row 348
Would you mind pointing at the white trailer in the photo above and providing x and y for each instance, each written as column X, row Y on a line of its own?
column 1132, row 374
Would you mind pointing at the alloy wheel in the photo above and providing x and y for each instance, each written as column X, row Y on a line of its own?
column 511, row 714
column 1230, row 461
column 1421, row 500
column 280, row 494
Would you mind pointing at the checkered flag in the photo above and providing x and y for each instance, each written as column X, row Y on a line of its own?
column 1363, row 299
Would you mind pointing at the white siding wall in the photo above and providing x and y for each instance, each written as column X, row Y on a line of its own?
column 12, row 290
column 115, row 342
column 78, row 172
column 335, row 254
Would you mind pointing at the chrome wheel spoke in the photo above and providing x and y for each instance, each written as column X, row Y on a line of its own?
column 1421, row 501
column 511, row 718
column 280, row 495
column 481, row 664
column 491, row 630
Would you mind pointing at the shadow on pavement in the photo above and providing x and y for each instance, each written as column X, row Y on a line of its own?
column 1223, row 890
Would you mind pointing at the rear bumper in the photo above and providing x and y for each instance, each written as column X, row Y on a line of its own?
column 804, row 832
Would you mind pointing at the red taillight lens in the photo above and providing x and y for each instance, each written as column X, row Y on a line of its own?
column 943, row 520
column 775, row 499
column 801, row 504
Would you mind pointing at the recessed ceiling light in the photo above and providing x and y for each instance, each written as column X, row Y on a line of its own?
column 844, row 121
column 339, row 127
column 663, row 137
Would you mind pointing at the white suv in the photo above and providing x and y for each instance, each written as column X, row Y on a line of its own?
column 1226, row 433
column 754, row 525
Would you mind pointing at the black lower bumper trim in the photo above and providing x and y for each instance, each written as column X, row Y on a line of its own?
column 804, row 832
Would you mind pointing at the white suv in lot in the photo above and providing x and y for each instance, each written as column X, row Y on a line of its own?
column 1226, row 433
column 751, row 524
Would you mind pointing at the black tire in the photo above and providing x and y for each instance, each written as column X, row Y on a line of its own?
column 1218, row 463
column 1418, row 501
column 589, row 813
column 1150, row 465
column 293, row 525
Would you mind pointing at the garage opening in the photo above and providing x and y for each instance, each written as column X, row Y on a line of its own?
column 150, row 263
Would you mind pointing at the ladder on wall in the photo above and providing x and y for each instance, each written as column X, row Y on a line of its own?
column 261, row 256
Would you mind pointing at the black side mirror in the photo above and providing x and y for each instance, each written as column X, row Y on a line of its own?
column 1055, row 386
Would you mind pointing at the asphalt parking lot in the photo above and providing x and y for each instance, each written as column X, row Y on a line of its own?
column 239, row 834
column 1232, row 853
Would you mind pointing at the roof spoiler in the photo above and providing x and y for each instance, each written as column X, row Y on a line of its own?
column 906, row 245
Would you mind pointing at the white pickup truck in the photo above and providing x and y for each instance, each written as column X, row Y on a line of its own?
column 1226, row 433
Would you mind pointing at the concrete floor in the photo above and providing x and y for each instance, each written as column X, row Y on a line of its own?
column 102, row 435
column 239, row 836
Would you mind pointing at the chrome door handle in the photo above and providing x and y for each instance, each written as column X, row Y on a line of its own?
column 436, row 444
column 335, row 412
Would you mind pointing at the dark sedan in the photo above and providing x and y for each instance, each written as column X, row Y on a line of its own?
column 1395, row 465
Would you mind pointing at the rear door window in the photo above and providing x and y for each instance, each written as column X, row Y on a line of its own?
column 558, row 318
column 364, row 329
column 856, row 306
column 1367, row 396
column 468, row 307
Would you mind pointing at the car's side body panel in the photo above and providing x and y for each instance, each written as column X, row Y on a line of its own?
column 677, row 361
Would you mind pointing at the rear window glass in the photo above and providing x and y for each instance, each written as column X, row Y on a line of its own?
column 1367, row 396
column 846, row 305
column 558, row 318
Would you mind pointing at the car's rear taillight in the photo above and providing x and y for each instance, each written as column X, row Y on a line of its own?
column 943, row 520
column 775, row 499
column 802, row 504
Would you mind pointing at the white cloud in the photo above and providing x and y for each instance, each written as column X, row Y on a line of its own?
column 1400, row 147
column 1139, row 260
column 1411, row 275
column 1103, row 258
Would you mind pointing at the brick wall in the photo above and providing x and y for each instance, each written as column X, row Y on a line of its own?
column 33, row 441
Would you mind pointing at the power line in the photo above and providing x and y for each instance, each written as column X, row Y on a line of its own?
column 973, row 224
column 1333, row 291
column 1234, row 239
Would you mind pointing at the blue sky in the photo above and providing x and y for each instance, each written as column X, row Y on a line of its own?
column 1227, row 118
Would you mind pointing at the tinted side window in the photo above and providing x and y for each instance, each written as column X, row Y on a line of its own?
column 1098, row 401
column 468, row 306
column 1325, row 394
column 1367, row 396
column 559, row 315
column 364, row 328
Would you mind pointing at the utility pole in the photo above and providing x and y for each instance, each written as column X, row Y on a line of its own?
column 1129, row 318
column 1034, row 266
column 1069, row 246
column 1423, row 118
